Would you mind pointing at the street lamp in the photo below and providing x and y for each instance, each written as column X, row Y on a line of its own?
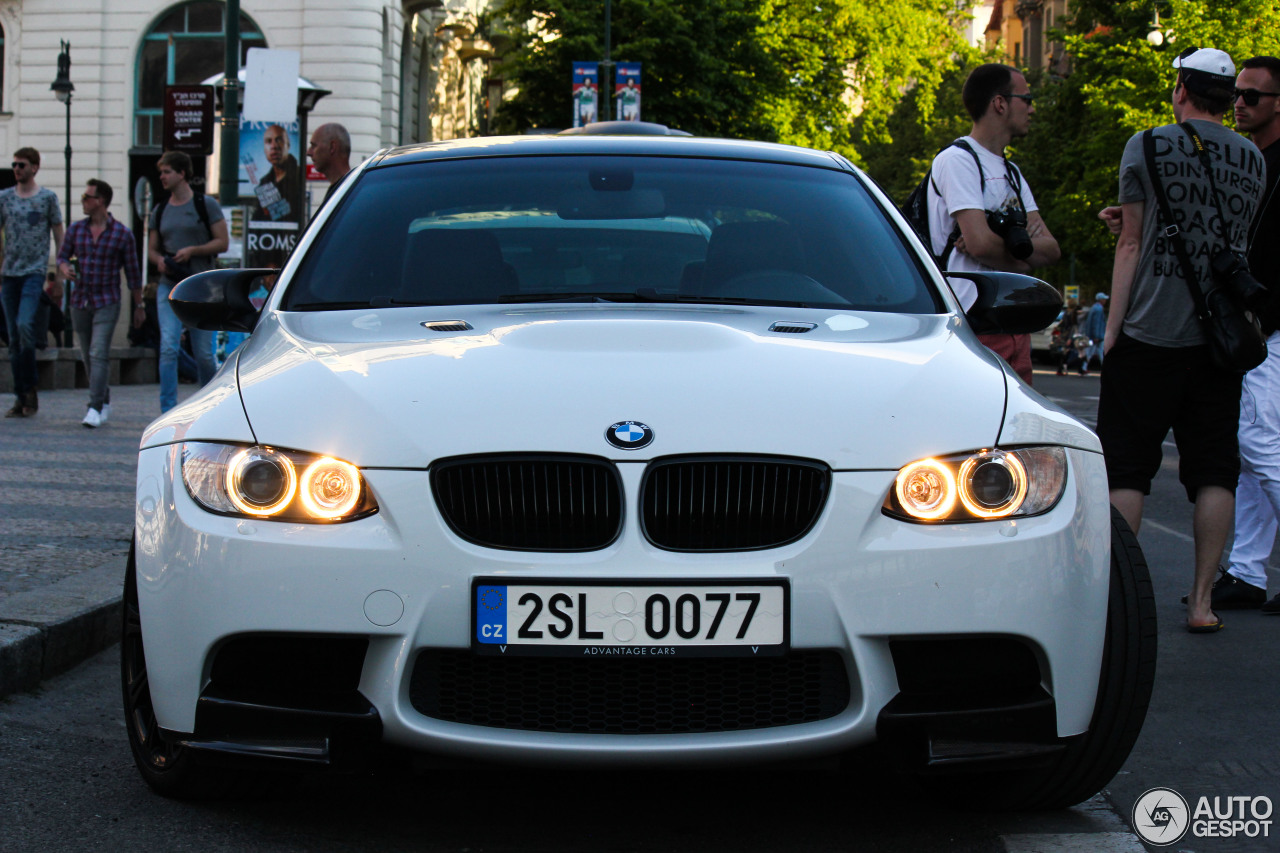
column 63, row 87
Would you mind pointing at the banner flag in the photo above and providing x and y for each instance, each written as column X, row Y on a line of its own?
column 586, row 92
column 627, row 90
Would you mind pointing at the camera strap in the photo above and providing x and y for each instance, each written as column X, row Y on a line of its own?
column 1171, row 231
column 1207, row 164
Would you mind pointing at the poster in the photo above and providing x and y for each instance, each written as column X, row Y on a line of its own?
column 586, row 93
column 627, row 90
column 269, row 170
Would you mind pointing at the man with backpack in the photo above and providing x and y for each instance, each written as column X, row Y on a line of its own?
column 188, row 232
column 1188, row 193
column 981, row 213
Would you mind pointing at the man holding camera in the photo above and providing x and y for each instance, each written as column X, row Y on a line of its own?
column 188, row 232
column 980, row 206
column 1159, row 374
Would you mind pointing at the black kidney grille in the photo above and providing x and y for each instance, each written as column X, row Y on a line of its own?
column 629, row 695
column 731, row 503
column 558, row 503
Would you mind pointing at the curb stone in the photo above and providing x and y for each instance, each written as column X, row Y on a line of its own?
column 47, row 631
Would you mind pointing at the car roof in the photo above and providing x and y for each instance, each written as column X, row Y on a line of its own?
column 649, row 146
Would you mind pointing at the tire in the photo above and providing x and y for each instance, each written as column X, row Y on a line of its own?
column 1124, row 691
column 168, row 768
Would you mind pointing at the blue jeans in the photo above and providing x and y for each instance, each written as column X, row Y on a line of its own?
column 94, row 327
column 170, row 336
column 21, row 297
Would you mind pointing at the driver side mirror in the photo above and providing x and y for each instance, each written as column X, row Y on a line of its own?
column 218, row 300
column 1010, row 302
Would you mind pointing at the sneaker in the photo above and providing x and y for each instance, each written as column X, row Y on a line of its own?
column 30, row 403
column 106, row 412
column 1231, row 593
column 1272, row 607
column 92, row 418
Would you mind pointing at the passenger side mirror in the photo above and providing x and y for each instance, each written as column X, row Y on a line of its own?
column 1011, row 303
column 218, row 300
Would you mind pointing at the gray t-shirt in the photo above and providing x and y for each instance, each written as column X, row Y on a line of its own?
column 1161, row 311
column 27, row 224
column 181, row 227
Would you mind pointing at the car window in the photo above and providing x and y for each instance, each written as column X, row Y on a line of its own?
column 507, row 230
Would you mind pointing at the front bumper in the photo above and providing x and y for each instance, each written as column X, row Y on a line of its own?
column 401, row 581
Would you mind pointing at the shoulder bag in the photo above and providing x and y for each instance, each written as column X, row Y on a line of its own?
column 1233, row 333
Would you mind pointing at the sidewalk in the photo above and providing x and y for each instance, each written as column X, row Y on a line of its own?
column 66, row 519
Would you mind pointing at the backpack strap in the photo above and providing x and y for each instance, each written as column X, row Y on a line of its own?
column 202, row 211
column 982, row 181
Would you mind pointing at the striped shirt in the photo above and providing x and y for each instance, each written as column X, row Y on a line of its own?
column 100, row 262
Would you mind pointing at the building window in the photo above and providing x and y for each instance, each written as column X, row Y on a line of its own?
column 185, row 46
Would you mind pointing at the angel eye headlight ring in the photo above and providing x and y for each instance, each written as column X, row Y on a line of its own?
column 330, row 488
column 261, row 481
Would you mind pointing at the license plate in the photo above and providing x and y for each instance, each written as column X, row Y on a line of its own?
column 690, row 619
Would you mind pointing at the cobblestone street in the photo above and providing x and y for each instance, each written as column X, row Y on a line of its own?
column 66, row 492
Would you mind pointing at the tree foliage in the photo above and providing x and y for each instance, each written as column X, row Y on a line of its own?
column 795, row 71
column 881, row 84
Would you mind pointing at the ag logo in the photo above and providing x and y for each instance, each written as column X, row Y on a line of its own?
column 629, row 435
column 1161, row 817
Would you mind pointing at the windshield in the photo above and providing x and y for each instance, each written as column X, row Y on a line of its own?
column 609, row 228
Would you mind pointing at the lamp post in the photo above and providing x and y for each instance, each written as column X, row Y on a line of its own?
column 63, row 87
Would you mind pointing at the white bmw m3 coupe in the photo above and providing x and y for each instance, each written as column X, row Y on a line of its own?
column 627, row 449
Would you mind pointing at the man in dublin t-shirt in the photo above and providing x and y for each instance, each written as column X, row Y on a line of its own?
column 1158, row 372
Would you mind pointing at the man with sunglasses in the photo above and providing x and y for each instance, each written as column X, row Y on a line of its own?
column 28, row 216
column 1159, row 375
column 971, row 181
column 1244, row 582
column 102, row 247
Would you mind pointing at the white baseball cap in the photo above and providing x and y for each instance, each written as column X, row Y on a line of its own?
column 1206, row 71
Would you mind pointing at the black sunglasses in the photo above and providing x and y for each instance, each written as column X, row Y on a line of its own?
column 1027, row 98
column 1251, row 96
column 17, row 165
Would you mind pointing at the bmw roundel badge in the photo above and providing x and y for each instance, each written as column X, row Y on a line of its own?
column 629, row 435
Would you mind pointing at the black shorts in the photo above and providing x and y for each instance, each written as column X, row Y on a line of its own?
column 1148, row 390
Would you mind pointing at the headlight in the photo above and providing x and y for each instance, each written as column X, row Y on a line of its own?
column 267, row 482
column 979, row 486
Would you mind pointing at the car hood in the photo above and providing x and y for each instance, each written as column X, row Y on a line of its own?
column 860, row 391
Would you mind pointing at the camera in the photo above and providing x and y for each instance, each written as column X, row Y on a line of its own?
column 1231, row 270
column 1011, row 225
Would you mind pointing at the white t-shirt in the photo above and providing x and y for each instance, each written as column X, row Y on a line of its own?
column 955, row 188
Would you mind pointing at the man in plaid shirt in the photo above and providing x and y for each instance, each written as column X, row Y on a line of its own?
column 101, row 246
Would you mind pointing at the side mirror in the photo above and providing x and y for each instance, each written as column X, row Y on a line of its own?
column 1010, row 302
column 218, row 300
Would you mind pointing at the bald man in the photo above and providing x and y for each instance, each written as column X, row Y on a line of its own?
column 330, row 151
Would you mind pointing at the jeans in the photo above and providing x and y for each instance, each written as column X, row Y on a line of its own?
column 21, row 297
column 94, row 327
column 170, row 336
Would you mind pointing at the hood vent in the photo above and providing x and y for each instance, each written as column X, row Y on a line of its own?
column 790, row 328
column 448, row 325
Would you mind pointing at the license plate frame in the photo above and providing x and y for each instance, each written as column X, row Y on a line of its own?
column 769, row 624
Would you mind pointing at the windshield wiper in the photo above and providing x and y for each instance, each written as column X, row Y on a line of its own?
column 742, row 300
column 642, row 295
column 329, row 306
